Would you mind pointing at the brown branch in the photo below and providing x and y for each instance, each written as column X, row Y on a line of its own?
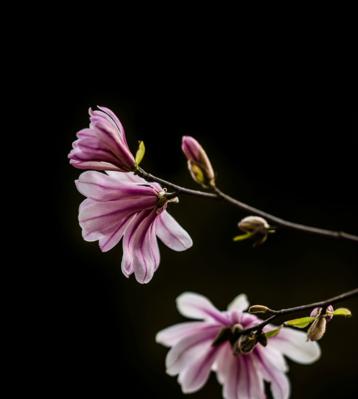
column 282, row 312
column 248, row 208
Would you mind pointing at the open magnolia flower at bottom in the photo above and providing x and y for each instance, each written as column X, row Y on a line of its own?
column 199, row 347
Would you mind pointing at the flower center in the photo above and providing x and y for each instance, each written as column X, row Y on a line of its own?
column 164, row 197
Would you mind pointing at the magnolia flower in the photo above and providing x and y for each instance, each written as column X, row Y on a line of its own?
column 102, row 146
column 198, row 347
column 123, row 205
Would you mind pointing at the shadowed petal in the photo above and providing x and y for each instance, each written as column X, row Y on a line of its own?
column 171, row 233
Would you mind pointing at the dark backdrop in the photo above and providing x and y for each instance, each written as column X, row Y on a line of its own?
column 281, row 137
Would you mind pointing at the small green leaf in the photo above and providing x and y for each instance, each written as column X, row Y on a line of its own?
column 302, row 322
column 342, row 312
column 273, row 333
column 242, row 237
column 140, row 152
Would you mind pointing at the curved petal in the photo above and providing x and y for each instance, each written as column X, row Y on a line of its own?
column 170, row 336
column 184, row 353
column 103, row 145
column 171, row 233
column 126, row 177
column 103, row 187
column 294, row 345
column 240, row 303
column 96, row 217
column 116, row 121
column 280, row 385
column 112, row 237
column 140, row 247
column 196, row 306
column 193, row 377
column 239, row 376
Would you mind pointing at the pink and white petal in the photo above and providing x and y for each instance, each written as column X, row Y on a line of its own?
column 190, row 348
column 172, row 335
column 116, row 120
column 112, row 238
column 95, row 216
column 95, row 165
column 171, row 233
column 274, row 356
column 251, row 384
column 141, row 246
column 127, row 177
column 222, row 364
column 193, row 377
column 196, row 306
column 240, row 303
column 280, row 385
column 101, row 187
column 230, row 379
column 294, row 345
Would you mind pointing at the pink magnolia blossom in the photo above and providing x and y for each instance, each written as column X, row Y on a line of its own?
column 123, row 205
column 196, row 351
column 102, row 146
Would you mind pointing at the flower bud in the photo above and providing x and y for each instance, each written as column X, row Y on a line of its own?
column 259, row 309
column 317, row 329
column 199, row 164
column 254, row 224
column 328, row 315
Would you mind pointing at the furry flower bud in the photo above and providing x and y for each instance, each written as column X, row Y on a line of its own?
column 199, row 164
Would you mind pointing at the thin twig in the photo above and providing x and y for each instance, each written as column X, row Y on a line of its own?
column 248, row 208
column 296, row 309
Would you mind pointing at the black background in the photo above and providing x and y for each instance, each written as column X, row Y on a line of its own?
column 279, row 124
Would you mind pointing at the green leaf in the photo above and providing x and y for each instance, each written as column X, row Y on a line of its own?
column 242, row 237
column 140, row 152
column 302, row 322
column 273, row 333
column 342, row 312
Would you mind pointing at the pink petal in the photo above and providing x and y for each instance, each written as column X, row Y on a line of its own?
column 112, row 238
column 240, row 377
column 197, row 306
column 171, row 233
column 103, row 145
column 103, row 187
column 127, row 177
column 116, row 121
column 172, row 335
column 193, row 377
column 100, row 217
column 223, row 362
column 294, row 345
column 280, row 385
column 190, row 348
column 240, row 303
column 140, row 247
